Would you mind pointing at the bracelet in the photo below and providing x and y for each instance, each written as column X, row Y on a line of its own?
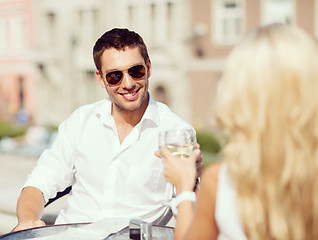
column 197, row 185
column 184, row 196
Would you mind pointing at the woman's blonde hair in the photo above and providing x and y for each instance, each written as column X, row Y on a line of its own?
column 268, row 104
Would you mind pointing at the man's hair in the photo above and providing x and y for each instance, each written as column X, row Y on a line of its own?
column 120, row 39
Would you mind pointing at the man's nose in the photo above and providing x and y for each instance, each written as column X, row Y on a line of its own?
column 128, row 82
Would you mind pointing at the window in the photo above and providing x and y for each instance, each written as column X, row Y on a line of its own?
column 228, row 21
column 89, row 86
column 3, row 34
column 131, row 16
column 51, row 22
column 51, row 19
column 160, row 94
column 170, row 8
column 88, row 27
column 153, row 19
column 21, row 92
column 316, row 18
column 96, row 20
column 278, row 11
column 17, row 33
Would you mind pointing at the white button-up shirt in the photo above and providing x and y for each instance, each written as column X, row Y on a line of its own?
column 109, row 179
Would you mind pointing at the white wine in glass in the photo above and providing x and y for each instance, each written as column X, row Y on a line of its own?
column 181, row 150
column 180, row 142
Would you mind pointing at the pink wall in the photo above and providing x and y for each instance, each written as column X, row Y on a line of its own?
column 15, row 61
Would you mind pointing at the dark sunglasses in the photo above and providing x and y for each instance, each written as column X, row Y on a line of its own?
column 136, row 72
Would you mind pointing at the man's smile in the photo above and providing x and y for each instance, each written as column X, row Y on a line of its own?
column 131, row 95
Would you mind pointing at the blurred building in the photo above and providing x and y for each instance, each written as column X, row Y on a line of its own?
column 188, row 42
column 217, row 25
column 67, row 30
column 17, row 82
column 63, row 41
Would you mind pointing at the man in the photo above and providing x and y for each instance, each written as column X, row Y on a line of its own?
column 105, row 150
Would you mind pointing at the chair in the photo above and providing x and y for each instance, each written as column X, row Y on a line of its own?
column 164, row 218
column 59, row 195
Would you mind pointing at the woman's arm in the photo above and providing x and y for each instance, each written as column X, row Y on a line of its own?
column 198, row 223
column 182, row 174
column 203, row 225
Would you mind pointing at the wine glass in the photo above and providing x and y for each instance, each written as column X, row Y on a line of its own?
column 180, row 142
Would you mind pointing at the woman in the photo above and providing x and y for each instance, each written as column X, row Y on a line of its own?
column 267, row 185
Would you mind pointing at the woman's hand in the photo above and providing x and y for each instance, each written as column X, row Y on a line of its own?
column 182, row 173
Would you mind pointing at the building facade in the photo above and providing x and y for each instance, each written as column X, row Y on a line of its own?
column 218, row 25
column 67, row 31
column 17, row 82
column 188, row 43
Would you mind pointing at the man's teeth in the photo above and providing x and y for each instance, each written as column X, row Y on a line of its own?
column 130, row 94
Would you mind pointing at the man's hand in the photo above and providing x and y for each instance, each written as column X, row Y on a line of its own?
column 29, row 224
column 199, row 162
column 30, row 208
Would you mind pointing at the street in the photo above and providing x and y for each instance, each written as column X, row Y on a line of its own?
column 13, row 173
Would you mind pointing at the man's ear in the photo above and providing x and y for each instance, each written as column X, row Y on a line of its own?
column 148, row 64
column 100, row 78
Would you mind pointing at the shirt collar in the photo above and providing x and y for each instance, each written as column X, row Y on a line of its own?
column 103, row 111
column 151, row 112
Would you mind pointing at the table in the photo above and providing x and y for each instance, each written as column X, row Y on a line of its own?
column 158, row 233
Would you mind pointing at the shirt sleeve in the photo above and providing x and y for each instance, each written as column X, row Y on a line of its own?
column 54, row 169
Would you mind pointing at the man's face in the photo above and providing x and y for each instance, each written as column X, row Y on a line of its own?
column 129, row 94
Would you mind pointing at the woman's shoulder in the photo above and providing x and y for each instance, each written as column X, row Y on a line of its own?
column 209, row 180
column 212, row 171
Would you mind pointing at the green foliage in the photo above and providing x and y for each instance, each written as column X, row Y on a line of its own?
column 208, row 142
column 10, row 130
column 51, row 128
column 209, row 158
